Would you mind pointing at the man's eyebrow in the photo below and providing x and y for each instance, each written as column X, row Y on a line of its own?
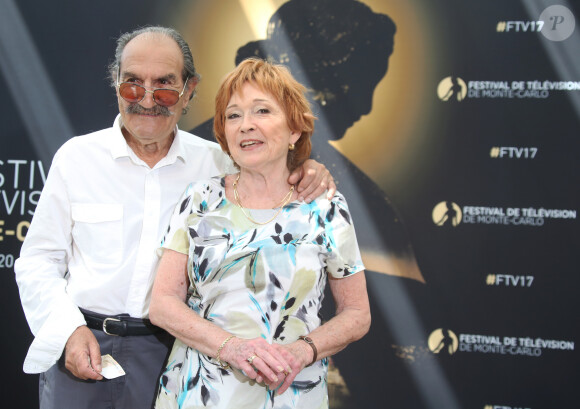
column 129, row 74
column 167, row 77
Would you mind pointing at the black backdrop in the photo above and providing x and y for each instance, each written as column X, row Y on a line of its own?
column 491, row 319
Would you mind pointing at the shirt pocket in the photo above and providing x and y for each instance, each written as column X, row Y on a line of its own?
column 98, row 231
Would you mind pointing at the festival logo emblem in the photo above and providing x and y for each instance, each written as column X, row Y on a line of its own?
column 452, row 89
column 443, row 341
column 447, row 214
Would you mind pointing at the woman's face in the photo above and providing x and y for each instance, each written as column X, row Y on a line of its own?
column 257, row 131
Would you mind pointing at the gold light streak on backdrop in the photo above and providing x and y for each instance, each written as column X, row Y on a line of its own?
column 258, row 12
column 386, row 144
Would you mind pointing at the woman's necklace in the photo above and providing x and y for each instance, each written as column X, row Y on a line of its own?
column 283, row 203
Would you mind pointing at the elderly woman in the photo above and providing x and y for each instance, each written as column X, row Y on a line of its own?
column 245, row 264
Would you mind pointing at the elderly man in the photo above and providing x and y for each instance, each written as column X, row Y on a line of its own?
column 88, row 261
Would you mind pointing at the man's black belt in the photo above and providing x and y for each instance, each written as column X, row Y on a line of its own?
column 121, row 325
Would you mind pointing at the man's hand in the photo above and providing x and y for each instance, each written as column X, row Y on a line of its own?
column 83, row 354
column 314, row 180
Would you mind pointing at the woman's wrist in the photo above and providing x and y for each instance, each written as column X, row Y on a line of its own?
column 312, row 346
column 218, row 357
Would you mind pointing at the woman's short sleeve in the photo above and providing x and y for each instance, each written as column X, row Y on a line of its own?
column 344, row 256
column 176, row 238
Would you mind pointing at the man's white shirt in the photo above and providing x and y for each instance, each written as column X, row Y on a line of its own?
column 92, row 241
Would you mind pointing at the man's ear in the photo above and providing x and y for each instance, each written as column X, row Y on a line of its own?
column 186, row 98
column 191, row 85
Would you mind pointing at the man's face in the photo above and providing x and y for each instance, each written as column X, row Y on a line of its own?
column 154, row 61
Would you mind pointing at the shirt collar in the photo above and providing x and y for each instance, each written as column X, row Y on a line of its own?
column 176, row 150
column 119, row 147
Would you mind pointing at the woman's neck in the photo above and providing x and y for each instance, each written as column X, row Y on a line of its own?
column 259, row 190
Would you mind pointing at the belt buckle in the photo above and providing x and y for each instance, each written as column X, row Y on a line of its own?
column 105, row 325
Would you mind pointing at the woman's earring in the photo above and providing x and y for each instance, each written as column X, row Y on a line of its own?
column 291, row 147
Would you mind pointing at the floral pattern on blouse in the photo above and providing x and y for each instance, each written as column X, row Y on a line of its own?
column 254, row 281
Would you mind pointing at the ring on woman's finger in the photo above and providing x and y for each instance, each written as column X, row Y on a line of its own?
column 251, row 359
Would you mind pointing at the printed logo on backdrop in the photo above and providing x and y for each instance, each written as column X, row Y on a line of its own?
column 451, row 214
column 513, row 152
column 454, row 88
column 556, row 23
column 504, row 407
column 446, row 214
column 21, row 182
column 509, row 280
column 445, row 341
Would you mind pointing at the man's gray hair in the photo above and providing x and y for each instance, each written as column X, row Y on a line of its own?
column 188, row 65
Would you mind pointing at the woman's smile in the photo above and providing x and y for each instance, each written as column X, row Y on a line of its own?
column 250, row 143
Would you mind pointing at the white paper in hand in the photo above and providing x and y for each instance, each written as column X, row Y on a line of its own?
column 111, row 368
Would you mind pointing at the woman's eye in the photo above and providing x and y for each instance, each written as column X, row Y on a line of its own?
column 263, row 111
column 232, row 116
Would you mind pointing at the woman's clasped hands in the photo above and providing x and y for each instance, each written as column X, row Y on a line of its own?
column 272, row 364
